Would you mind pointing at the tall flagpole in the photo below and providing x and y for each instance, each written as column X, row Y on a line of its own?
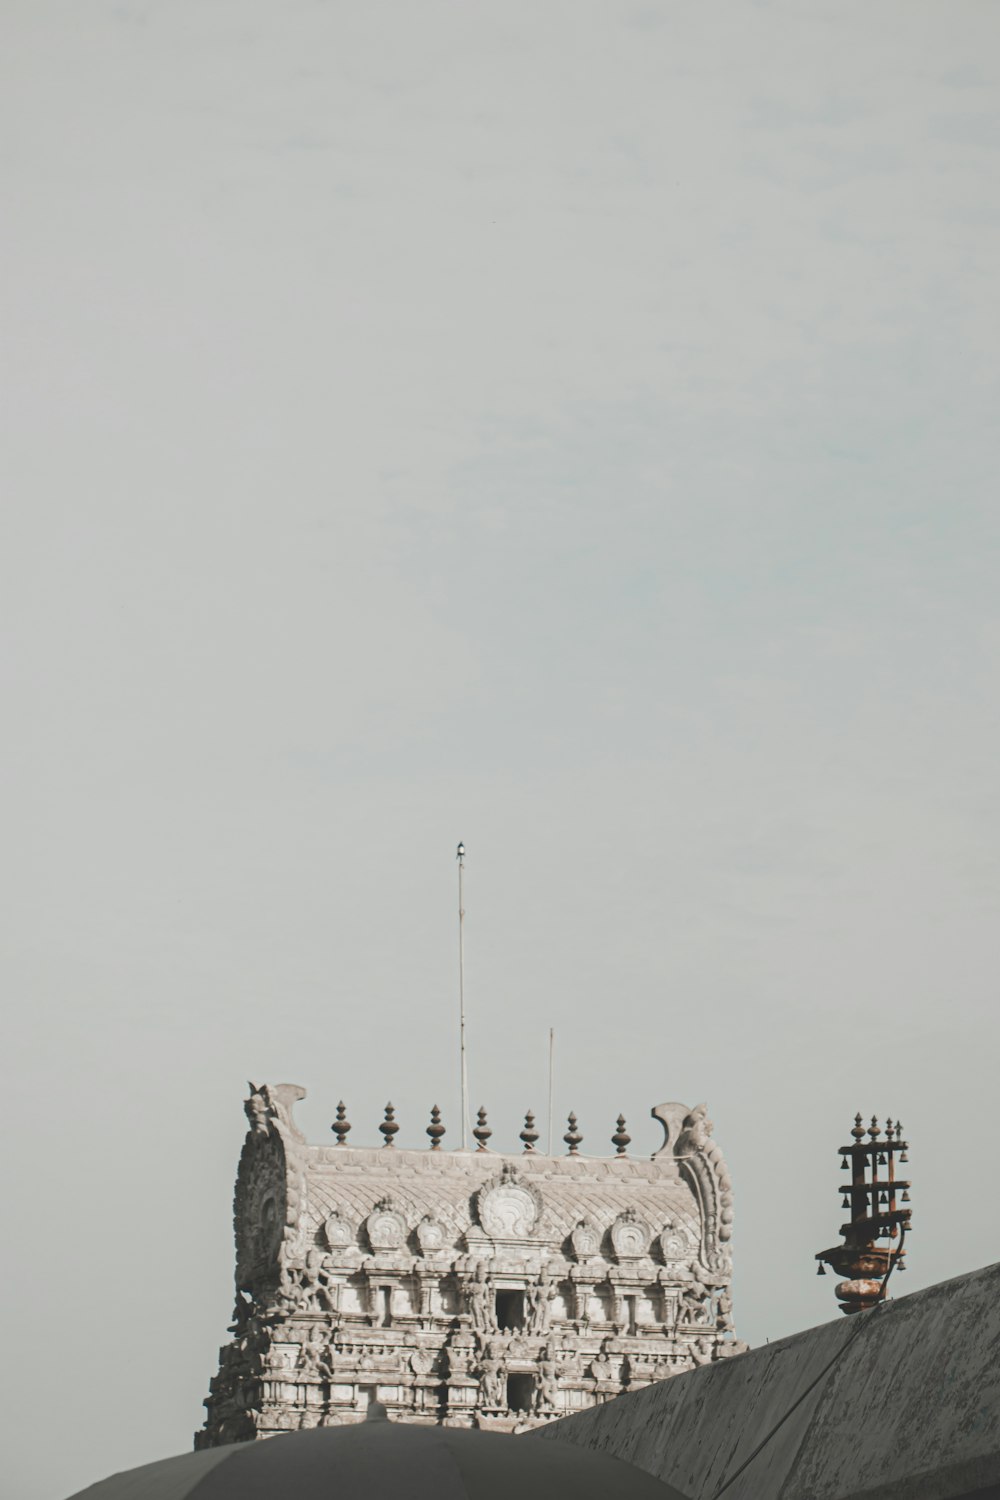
column 552, row 1054
column 461, row 998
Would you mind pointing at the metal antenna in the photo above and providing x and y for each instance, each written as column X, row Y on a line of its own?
column 552, row 1053
column 460, row 856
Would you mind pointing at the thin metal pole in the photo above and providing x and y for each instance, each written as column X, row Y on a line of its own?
column 461, row 999
column 552, row 1052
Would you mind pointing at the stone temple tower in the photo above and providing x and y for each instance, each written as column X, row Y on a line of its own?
column 469, row 1287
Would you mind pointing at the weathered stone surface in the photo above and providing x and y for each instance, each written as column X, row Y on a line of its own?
column 465, row 1287
column 901, row 1401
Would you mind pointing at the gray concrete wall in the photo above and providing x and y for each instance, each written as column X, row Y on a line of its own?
column 906, row 1402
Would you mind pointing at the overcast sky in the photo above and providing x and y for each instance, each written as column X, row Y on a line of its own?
column 567, row 426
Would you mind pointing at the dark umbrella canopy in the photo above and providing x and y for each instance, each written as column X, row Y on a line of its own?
column 390, row 1459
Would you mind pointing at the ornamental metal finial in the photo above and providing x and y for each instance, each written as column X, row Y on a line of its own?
column 435, row 1129
column 621, row 1138
column 529, row 1135
column 388, row 1126
column 481, row 1130
column 573, row 1137
column 871, row 1201
column 341, row 1125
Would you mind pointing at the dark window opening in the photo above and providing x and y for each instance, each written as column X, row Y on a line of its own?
column 630, row 1303
column 510, row 1309
column 520, row 1390
column 387, row 1307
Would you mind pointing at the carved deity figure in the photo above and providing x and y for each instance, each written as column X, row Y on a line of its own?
column 314, row 1354
column 539, row 1299
column 724, row 1311
column 547, row 1384
column 480, row 1302
column 242, row 1309
column 603, row 1370
column 692, row 1304
column 492, row 1378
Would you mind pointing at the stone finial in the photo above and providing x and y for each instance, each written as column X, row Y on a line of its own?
column 481, row 1130
column 341, row 1124
column 389, row 1126
column 621, row 1138
column 573, row 1137
column 529, row 1135
column 435, row 1129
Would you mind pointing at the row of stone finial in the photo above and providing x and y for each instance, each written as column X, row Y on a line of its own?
column 481, row 1131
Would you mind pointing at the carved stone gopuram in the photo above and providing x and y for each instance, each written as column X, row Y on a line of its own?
column 466, row 1287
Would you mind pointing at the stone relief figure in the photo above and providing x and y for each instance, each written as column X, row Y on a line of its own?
column 539, row 1300
column 314, row 1355
column 289, row 1295
column 702, row 1351
column 547, row 1384
column 241, row 1314
column 692, row 1304
column 492, row 1378
column 603, row 1370
column 480, row 1301
column 724, row 1310
column 456, row 1361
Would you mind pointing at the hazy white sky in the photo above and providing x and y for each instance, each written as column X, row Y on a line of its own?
column 570, row 427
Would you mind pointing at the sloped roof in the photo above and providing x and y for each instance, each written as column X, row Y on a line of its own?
column 384, row 1460
column 352, row 1180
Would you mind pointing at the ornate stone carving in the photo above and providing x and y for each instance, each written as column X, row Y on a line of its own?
column 508, row 1207
column 547, row 1382
column 492, row 1378
column 385, row 1226
column 272, row 1103
column 430, row 1236
column 675, row 1244
column 629, row 1236
column 480, row 1302
column 539, row 1299
column 339, row 1232
column 688, row 1133
column 586, row 1240
column 693, row 1305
